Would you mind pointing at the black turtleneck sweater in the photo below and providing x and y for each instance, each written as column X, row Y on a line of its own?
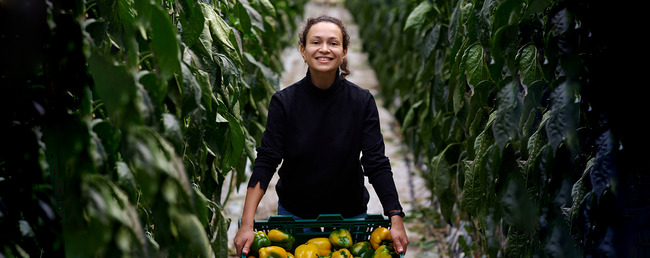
column 326, row 140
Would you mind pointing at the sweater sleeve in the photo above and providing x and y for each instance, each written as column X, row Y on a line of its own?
column 270, row 151
column 375, row 164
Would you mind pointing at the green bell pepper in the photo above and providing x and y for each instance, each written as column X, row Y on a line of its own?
column 362, row 249
column 260, row 240
column 340, row 238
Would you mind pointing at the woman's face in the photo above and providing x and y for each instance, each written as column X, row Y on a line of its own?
column 323, row 50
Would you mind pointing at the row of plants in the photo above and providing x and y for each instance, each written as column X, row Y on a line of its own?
column 514, row 111
column 122, row 120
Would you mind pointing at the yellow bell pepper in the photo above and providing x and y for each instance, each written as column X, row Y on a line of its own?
column 281, row 238
column 323, row 243
column 272, row 252
column 306, row 251
column 341, row 253
column 341, row 238
column 381, row 236
column 290, row 255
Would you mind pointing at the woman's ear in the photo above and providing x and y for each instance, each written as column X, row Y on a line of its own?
column 302, row 53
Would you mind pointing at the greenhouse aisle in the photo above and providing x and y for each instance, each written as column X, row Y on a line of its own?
column 412, row 189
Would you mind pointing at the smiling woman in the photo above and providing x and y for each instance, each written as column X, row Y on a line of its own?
column 318, row 128
column 323, row 50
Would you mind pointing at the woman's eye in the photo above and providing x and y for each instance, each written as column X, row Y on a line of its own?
column 315, row 42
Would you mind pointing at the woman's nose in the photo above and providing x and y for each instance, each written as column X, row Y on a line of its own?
column 324, row 48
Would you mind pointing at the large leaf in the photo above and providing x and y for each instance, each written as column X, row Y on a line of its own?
column 220, row 32
column 270, row 76
column 268, row 7
column 430, row 41
column 475, row 65
column 191, row 19
column 116, row 86
column 563, row 117
column 604, row 172
column 192, row 235
column 164, row 44
column 455, row 21
column 417, row 17
column 528, row 65
column 244, row 18
column 519, row 209
column 234, row 142
column 505, row 124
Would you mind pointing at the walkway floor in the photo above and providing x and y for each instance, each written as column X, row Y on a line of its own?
column 412, row 189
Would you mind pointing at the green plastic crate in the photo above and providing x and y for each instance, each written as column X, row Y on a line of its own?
column 360, row 228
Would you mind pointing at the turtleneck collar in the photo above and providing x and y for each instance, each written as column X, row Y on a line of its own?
column 331, row 90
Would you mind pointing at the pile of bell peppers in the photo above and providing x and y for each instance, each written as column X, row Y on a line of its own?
column 339, row 244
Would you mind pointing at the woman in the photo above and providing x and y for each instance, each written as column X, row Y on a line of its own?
column 318, row 127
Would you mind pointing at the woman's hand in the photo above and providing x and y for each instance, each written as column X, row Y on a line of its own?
column 245, row 234
column 398, row 234
column 243, row 240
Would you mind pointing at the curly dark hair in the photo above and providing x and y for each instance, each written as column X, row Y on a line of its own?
column 346, row 37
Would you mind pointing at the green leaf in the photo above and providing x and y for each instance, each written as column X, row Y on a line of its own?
column 455, row 22
column 475, row 65
column 234, row 142
column 164, row 44
column 459, row 96
column 255, row 17
column 484, row 23
column 477, row 105
column 244, row 18
column 441, row 173
column 156, row 88
column 116, row 86
column 528, row 65
column 519, row 210
column 410, row 118
column 563, row 116
column 417, row 17
column 484, row 140
column 267, row 7
column 191, row 19
column 507, row 13
column 200, row 206
column 270, row 76
column 192, row 235
column 220, row 32
column 430, row 41
column 517, row 243
column 506, row 122
column 222, row 223
column 172, row 131
column 472, row 190
column 192, row 90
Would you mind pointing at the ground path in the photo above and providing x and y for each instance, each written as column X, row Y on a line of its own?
column 412, row 190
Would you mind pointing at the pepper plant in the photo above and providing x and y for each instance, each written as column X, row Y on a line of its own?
column 511, row 111
column 124, row 119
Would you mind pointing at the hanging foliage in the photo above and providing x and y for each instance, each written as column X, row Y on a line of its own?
column 513, row 113
column 124, row 118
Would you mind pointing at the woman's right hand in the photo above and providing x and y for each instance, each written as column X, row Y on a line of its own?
column 245, row 233
column 243, row 240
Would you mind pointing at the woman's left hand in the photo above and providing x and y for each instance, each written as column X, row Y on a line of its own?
column 398, row 233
